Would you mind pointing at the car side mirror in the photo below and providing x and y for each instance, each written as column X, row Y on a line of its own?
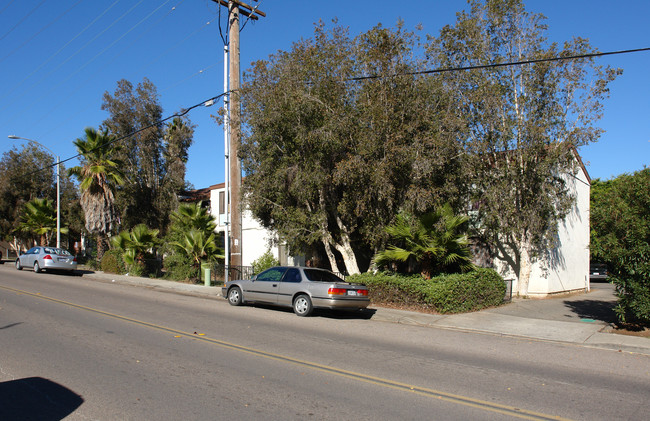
column 254, row 278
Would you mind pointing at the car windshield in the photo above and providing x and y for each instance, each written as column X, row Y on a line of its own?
column 321, row 276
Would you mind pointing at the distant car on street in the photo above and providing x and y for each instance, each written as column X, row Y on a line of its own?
column 302, row 288
column 46, row 258
column 598, row 272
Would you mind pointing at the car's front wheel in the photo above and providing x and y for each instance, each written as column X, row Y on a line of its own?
column 302, row 305
column 37, row 267
column 234, row 296
column 18, row 265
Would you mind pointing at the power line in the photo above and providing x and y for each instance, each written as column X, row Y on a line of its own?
column 21, row 21
column 146, row 31
column 40, row 31
column 251, row 16
column 181, row 113
column 496, row 65
column 15, row 86
column 6, row 7
column 81, row 85
column 224, row 38
column 52, row 88
column 151, row 62
column 200, row 72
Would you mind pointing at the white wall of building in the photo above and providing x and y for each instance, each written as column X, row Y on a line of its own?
column 565, row 267
column 256, row 240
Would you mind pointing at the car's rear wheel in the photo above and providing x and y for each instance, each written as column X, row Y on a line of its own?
column 18, row 265
column 234, row 296
column 37, row 267
column 302, row 305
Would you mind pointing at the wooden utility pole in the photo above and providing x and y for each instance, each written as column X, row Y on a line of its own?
column 235, row 9
column 235, row 137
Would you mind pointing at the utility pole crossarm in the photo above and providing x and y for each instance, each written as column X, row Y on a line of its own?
column 249, row 11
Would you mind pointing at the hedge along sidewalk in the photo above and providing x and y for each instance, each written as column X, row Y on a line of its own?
column 452, row 293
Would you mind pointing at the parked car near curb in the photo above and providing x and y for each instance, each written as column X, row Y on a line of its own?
column 46, row 258
column 302, row 288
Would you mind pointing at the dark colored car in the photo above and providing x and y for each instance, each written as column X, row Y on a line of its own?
column 302, row 288
column 598, row 272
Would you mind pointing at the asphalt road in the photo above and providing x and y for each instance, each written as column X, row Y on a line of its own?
column 91, row 350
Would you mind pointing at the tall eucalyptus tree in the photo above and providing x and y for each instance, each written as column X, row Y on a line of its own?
column 154, row 155
column 523, row 123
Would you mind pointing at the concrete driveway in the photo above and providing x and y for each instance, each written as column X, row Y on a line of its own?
column 596, row 306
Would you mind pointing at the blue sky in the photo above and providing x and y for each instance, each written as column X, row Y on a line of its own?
column 57, row 58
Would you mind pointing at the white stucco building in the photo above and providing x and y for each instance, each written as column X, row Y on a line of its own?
column 564, row 268
column 256, row 240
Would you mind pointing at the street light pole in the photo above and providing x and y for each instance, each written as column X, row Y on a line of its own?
column 58, row 187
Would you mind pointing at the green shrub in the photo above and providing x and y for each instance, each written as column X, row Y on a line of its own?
column 264, row 262
column 455, row 293
column 136, row 269
column 472, row 291
column 394, row 289
column 620, row 237
column 112, row 262
column 178, row 267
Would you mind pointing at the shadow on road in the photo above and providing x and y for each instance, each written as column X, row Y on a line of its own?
column 364, row 314
column 36, row 398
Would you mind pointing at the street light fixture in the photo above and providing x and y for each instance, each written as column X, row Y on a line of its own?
column 58, row 189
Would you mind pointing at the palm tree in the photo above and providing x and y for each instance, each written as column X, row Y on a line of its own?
column 137, row 245
column 98, row 176
column 38, row 217
column 193, row 215
column 434, row 241
column 198, row 246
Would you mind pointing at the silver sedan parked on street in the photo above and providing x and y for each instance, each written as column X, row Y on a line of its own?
column 302, row 288
column 46, row 258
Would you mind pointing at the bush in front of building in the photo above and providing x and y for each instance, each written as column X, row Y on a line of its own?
column 451, row 293
column 112, row 262
column 265, row 261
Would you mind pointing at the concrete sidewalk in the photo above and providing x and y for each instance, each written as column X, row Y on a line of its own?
column 583, row 319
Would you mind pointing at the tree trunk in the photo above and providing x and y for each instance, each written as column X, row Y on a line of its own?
column 523, row 277
column 101, row 246
column 349, row 258
column 345, row 248
column 330, row 254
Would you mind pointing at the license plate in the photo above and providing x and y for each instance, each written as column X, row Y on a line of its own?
column 351, row 292
column 62, row 259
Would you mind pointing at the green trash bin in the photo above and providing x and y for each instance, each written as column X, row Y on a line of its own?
column 205, row 273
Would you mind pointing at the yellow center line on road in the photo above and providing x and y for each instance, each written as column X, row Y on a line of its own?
column 423, row 391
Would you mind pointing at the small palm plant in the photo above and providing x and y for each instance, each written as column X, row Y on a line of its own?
column 192, row 215
column 191, row 241
column 198, row 246
column 137, row 246
column 39, row 218
column 435, row 242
